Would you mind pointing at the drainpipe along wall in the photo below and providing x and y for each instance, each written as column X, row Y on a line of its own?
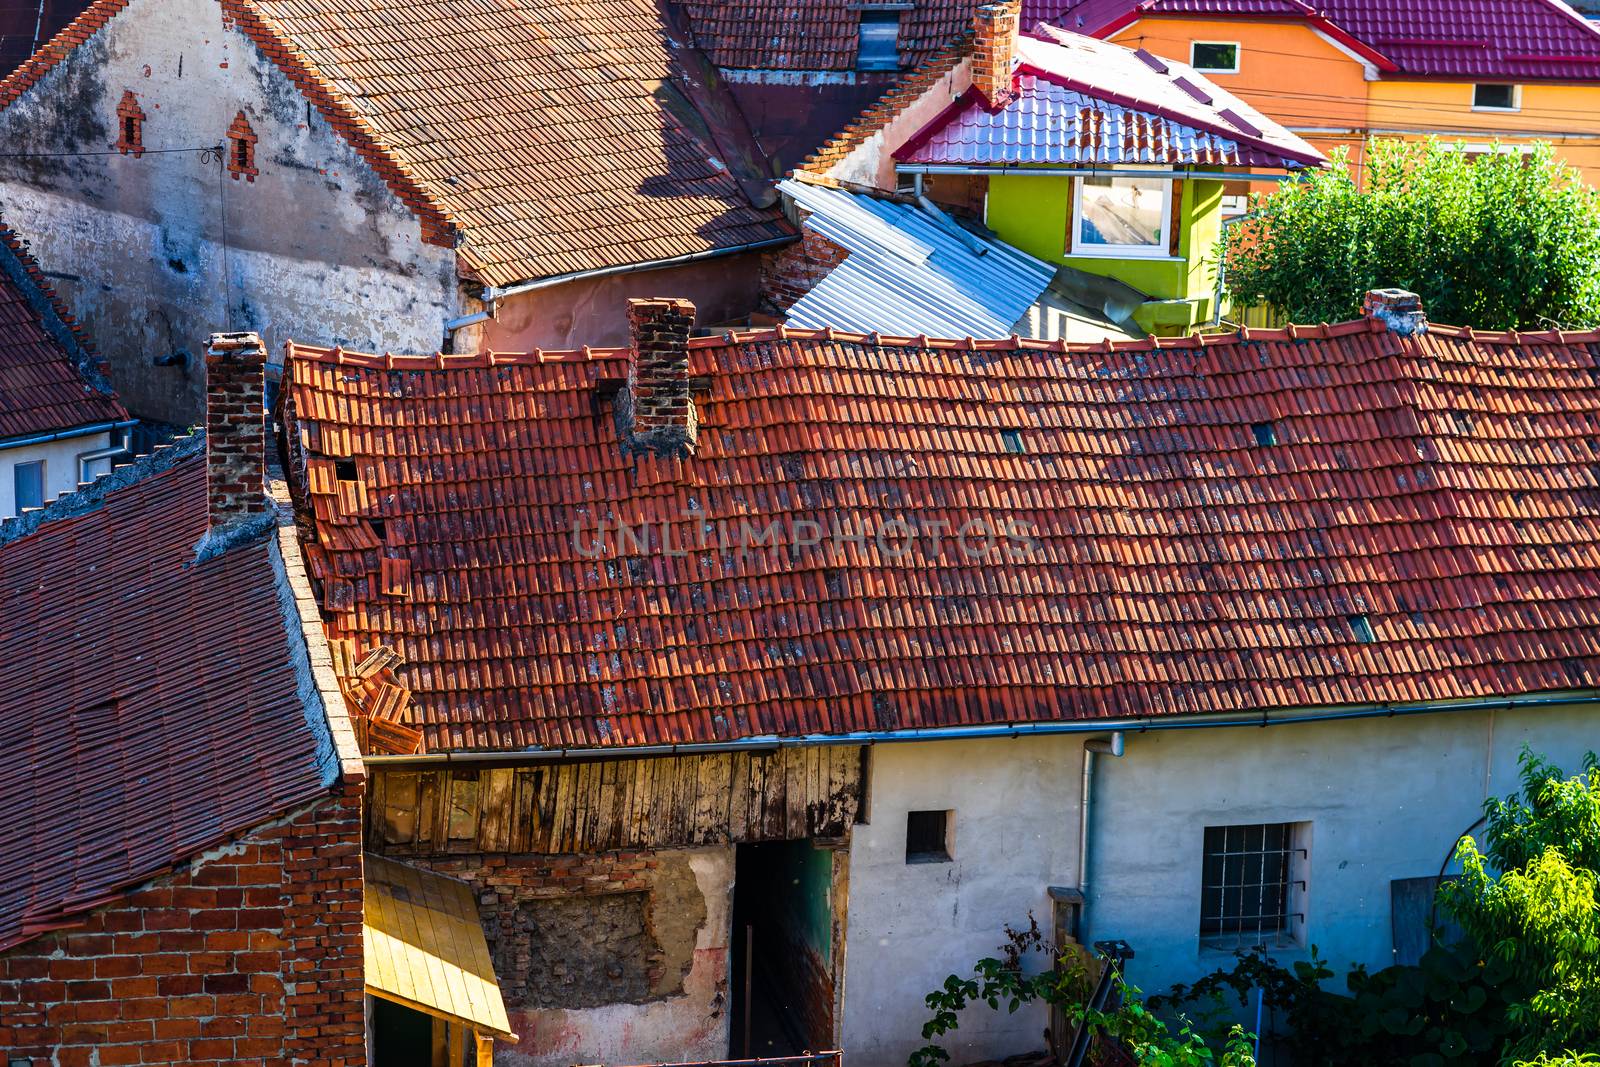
column 1112, row 746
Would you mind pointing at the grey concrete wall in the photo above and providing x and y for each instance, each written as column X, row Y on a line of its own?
column 318, row 248
column 1015, row 833
column 1385, row 799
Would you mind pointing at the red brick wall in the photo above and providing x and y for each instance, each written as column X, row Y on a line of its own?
column 789, row 273
column 251, row 955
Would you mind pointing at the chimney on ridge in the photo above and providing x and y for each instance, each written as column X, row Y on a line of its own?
column 1398, row 309
column 236, row 446
column 657, row 411
column 995, row 29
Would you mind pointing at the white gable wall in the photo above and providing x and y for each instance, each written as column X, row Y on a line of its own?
column 318, row 248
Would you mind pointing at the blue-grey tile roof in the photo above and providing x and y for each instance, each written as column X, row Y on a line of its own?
column 909, row 272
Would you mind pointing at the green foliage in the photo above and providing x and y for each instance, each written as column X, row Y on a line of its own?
column 1496, row 241
column 1540, row 915
column 1562, row 1059
column 1001, row 981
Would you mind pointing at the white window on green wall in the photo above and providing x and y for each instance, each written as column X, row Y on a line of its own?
column 1119, row 216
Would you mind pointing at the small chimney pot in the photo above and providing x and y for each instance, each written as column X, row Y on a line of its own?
column 1398, row 309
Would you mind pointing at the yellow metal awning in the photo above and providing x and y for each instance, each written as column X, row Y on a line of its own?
column 425, row 947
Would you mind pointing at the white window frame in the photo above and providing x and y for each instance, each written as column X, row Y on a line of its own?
column 1078, row 247
column 1516, row 99
column 1238, row 54
column 44, row 483
column 1296, row 932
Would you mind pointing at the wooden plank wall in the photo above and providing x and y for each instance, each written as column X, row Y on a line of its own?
column 598, row 806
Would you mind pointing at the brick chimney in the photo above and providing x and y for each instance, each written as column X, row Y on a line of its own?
column 657, row 411
column 236, row 447
column 1398, row 309
column 995, row 29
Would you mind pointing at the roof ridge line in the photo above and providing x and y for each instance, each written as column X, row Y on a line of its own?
column 86, row 499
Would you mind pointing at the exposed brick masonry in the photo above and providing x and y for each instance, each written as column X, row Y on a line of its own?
column 658, row 410
column 252, row 954
column 789, row 273
column 235, row 428
column 994, row 43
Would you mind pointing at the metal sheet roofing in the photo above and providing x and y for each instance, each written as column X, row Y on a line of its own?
column 1082, row 101
column 1437, row 490
column 1468, row 39
column 909, row 273
column 151, row 706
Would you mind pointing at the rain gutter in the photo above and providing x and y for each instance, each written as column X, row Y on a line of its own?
column 491, row 295
column 771, row 742
column 62, row 435
column 1018, row 170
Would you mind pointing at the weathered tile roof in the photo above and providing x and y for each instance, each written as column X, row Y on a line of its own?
column 1208, row 526
column 1079, row 100
column 562, row 146
column 151, row 707
column 50, row 379
column 815, row 34
column 26, row 24
column 1468, row 39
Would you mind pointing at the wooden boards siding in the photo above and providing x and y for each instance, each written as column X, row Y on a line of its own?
column 601, row 805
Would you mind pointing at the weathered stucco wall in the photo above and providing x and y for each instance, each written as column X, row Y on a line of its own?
column 1386, row 799
column 1014, row 834
column 594, row 311
column 60, row 466
column 870, row 162
column 643, row 978
column 318, row 248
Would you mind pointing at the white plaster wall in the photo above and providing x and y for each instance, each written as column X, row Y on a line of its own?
column 871, row 162
column 60, row 466
column 692, row 1025
column 1386, row 799
column 320, row 250
column 911, row 925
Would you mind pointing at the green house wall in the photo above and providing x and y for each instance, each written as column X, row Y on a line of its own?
column 1031, row 210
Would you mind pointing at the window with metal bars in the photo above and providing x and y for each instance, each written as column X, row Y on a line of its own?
column 1253, row 885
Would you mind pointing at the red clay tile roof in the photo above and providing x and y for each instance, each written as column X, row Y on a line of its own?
column 815, row 34
column 1442, row 490
column 49, row 377
column 26, row 24
column 1469, row 39
column 543, row 131
column 151, row 707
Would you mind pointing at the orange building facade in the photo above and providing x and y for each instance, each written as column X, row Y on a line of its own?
column 1333, row 95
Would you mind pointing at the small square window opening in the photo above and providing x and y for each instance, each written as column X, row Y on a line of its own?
column 1012, row 440
column 1264, row 433
column 1361, row 627
column 27, row 482
column 879, row 45
column 1214, row 57
column 1253, row 885
column 928, row 836
column 1495, row 98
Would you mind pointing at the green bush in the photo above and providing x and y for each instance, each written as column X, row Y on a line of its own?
column 1498, row 241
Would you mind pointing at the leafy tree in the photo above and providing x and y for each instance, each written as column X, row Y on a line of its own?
column 1496, row 241
column 1540, row 915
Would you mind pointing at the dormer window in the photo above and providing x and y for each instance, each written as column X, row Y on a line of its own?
column 242, row 149
column 879, row 44
column 130, row 125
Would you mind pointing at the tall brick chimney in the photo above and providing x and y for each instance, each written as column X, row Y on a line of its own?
column 657, row 411
column 1398, row 309
column 995, row 29
column 236, row 446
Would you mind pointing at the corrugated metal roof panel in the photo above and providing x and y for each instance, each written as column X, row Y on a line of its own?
column 908, row 273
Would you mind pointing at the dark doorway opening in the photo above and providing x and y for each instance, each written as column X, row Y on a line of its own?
column 401, row 1036
column 782, row 948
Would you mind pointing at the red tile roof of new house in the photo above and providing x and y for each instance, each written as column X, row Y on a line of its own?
column 50, row 380
column 1079, row 100
column 152, row 708
column 816, row 34
column 1257, row 520
column 548, row 134
column 1512, row 40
